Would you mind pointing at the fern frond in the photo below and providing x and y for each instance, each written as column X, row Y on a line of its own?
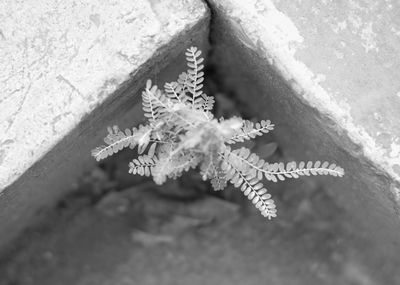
column 279, row 171
column 250, row 185
column 143, row 165
column 219, row 182
column 152, row 101
column 182, row 133
column 249, row 130
column 195, row 76
column 208, row 105
column 116, row 140
column 174, row 92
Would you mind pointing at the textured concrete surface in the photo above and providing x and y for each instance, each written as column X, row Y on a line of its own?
column 59, row 60
column 357, row 44
column 68, row 70
column 327, row 76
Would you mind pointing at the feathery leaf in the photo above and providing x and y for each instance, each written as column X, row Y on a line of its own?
column 182, row 133
column 116, row 140
column 250, row 130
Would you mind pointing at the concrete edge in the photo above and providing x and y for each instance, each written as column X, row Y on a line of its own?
column 55, row 174
column 277, row 45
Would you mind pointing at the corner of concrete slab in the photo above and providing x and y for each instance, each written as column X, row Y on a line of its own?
column 56, row 173
column 367, row 193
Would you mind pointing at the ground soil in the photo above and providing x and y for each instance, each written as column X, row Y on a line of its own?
column 181, row 234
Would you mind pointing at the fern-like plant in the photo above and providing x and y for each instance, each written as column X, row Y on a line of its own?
column 182, row 133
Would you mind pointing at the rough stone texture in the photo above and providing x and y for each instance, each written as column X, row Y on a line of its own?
column 356, row 44
column 327, row 75
column 62, row 59
column 69, row 69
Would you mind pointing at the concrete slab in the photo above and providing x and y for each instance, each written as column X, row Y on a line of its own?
column 326, row 75
column 60, row 60
column 67, row 70
column 357, row 44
